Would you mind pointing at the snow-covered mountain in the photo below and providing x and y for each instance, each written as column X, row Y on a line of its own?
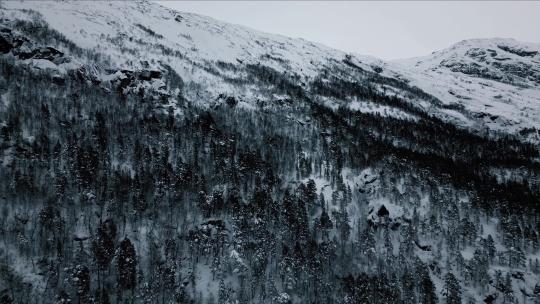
column 481, row 84
column 155, row 156
column 494, row 82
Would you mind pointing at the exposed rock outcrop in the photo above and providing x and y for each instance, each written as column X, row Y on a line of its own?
column 385, row 215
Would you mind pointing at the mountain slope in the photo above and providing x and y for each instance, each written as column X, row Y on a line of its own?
column 154, row 156
column 495, row 81
column 476, row 86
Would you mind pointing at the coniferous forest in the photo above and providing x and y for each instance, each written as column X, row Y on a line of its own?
column 117, row 191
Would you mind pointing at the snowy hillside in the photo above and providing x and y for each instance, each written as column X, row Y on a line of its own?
column 495, row 81
column 131, row 32
column 491, row 83
column 155, row 156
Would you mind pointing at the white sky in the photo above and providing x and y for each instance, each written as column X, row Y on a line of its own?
column 384, row 29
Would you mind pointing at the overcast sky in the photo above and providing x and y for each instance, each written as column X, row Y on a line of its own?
column 384, row 29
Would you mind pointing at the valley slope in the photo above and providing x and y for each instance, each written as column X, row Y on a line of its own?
column 155, row 156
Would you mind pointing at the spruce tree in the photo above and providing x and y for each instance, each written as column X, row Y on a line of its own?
column 126, row 266
column 452, row 289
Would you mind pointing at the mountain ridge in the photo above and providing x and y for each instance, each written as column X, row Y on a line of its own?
column 146, row 159
column 217, row 41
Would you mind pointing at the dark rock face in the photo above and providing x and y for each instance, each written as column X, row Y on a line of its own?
column 484, row 115
column 125, row 82
column 231, row 101
column 59, row 80
column 5, row 45
column 521, row 70
column 519, row 52
column 377, row 69
column 478, row 53
column 381, row 216
column 133, row 82
column 24, row 49
column 149, row 75
column 499, row 65
column 84, row 73
column 473, row 69
column 47, row 53
column 518, row 275
column 504, row 72
column 155, row 74
column 422, row 247
column 145, row 75
column 128, row 73
column 383, row 211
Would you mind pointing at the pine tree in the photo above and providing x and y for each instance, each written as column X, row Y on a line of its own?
column 311, row 194
column 81, row 281
column 408, row 288
column 452, row 289
column 508, row 290
column 479, row 267
column 427, row 290
column 103, row 244
column 289, row 216
column 223, row 293
column 367, row 243
column 388, row 246
column 325, row 223
column 343, row 225
column 490, row 248
column 126, row 265
column 104, row 296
